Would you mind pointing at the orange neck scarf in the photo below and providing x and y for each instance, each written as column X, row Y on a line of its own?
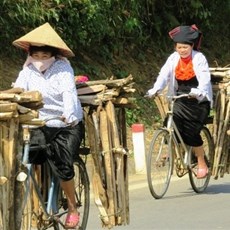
column 184, row 69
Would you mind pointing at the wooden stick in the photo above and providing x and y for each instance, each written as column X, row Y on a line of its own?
column 223, row 138
column 91, row 89
column 118, row 179
column 101, row 200
column 100, row 196
column 219, row 68
column 110, row 83
column 123, row 140
column 220, row 124
column 8, row 107
column 13, row 90
column 221, row 74
column 6, row 115
column 106, row 146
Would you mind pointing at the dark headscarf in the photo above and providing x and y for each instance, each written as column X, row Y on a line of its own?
column 187, row 35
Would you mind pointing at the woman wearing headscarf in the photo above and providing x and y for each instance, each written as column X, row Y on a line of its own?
column 48, row 71
column 186, row 71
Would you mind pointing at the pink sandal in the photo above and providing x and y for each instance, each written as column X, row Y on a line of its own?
column 72, row 221
column 202, row 173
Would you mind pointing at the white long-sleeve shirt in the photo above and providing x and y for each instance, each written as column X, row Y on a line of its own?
column 58, row 89
column 166, row 76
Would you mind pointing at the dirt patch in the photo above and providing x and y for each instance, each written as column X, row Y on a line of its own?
column 9, row 69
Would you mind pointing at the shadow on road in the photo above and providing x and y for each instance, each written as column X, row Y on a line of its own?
column 211, row 190
column 218, row 188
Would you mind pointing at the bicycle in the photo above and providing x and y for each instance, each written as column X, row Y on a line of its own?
column 51, row 208
column 168, row 151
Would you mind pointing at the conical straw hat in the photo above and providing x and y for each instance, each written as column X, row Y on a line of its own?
column 41, row 36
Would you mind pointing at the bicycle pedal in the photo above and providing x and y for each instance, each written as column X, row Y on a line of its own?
column 181, row 172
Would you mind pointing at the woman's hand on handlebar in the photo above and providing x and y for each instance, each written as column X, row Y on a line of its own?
column 151, row 93
column 149, row 96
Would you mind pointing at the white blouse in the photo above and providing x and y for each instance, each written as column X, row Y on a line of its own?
column 58, row 89
column 166, row 76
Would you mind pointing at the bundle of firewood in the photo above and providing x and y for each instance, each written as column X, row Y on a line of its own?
column 16, row 107
column 15, row 103
column 97, row 92
column 220, row 74
column 104, row 103
column 221, row 120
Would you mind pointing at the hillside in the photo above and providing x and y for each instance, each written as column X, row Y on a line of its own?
column 143, row 70
column 143, row 66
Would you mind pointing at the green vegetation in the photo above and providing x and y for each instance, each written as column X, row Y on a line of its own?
column 114, row 37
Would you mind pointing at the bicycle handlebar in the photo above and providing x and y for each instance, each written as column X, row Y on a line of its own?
column 54, row 118
column 35, row 123
column 174, row 97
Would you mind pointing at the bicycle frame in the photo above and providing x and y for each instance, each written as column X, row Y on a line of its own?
column 53, row 205
column 168, row 150
column 176, row 138
column 50, row 209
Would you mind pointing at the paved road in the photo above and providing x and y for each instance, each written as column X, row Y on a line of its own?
column 181, row 208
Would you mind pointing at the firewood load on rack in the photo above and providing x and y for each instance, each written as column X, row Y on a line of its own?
column 16, row 107
column 104, row 103
column 219, row 125
column 221, row 120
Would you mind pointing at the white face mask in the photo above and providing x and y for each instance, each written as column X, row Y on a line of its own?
column 42, row 65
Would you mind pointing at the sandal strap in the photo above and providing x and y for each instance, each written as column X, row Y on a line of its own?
column 72, row 220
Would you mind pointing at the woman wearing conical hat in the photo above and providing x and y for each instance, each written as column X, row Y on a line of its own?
column 47, row 70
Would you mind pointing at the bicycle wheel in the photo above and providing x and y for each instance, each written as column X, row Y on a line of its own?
column 159, row 164
column 82, row 192
column 82, row 195
column 199, row 185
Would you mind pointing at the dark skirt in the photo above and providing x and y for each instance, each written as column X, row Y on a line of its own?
column 190, row 116
column 64, row 149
